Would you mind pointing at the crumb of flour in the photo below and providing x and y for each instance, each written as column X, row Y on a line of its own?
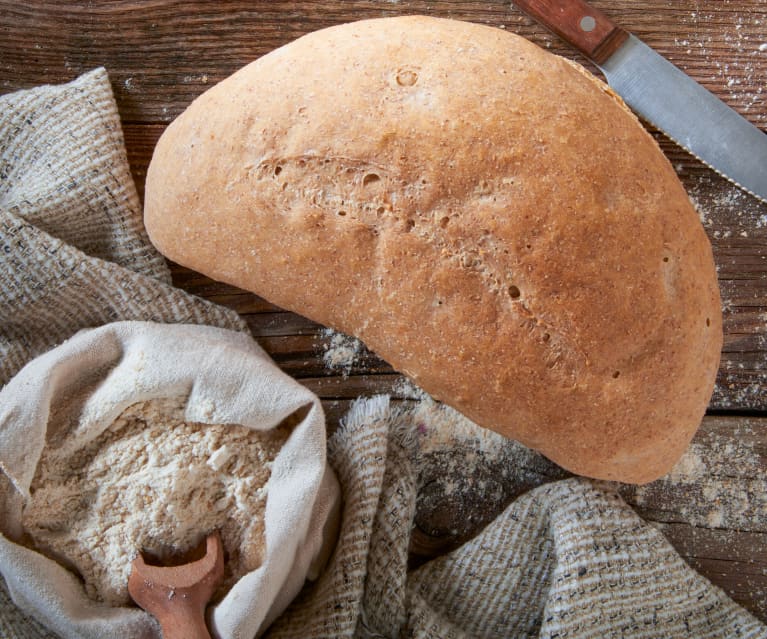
column 150, row 482
column 340, row 351
column 404, row 388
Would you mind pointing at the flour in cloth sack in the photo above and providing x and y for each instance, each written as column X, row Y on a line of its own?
column 150, row 482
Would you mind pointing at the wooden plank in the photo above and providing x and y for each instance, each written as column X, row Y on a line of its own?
column 316, row 355
column 339, row 387
column 719, row 483
column 161, row 54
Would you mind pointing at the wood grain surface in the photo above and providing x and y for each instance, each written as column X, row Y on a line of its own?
column 161, row 54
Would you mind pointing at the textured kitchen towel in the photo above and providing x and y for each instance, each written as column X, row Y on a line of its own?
column 73, row 250
column 74, row 255
column 566, row 559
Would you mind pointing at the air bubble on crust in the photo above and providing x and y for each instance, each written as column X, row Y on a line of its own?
column 370, row 178
column 406, row 77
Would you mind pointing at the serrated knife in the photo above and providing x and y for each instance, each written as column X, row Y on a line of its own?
column 660, row 93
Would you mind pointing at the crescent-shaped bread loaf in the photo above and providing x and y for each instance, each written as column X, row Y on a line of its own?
column 487, row 217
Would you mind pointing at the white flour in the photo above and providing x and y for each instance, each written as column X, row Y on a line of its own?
column 340, row 351
column 154, row 483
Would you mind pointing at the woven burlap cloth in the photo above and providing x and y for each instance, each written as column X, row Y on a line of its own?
column 566, row 559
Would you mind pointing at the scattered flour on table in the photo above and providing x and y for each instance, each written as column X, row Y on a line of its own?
column 719, row 482
column 151, row 482
column 341, row 351
column 726, row 49
column 467, row 474
column 705, row 220
column 736, row 223
column 404, row 388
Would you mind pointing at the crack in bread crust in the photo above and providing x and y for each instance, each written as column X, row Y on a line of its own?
column 354, row 190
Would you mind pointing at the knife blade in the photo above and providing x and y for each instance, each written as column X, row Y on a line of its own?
column 661, row 93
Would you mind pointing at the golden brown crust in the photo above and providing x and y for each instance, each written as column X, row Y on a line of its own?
column 486, row 217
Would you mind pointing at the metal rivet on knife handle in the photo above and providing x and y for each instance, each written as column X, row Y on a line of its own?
column 588, row 23
column 580, row 24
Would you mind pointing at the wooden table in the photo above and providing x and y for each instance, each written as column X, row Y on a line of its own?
column 161, row 54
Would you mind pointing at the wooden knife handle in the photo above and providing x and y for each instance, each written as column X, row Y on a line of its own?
column 580, row 24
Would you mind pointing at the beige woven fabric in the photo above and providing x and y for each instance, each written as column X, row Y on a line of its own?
column 215, row 376
column 567, row 559
column 73, row 250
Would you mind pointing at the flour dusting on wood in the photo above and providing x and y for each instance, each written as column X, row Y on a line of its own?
column 736, row 223
column 340, row 351
column 718, row 483
column 467, row 474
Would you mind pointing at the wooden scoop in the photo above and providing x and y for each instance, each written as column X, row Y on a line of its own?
column 177, row 595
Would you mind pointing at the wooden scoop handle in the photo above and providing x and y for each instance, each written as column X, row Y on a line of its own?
column 178, row 595
column 578, row 23
column 183, row 622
